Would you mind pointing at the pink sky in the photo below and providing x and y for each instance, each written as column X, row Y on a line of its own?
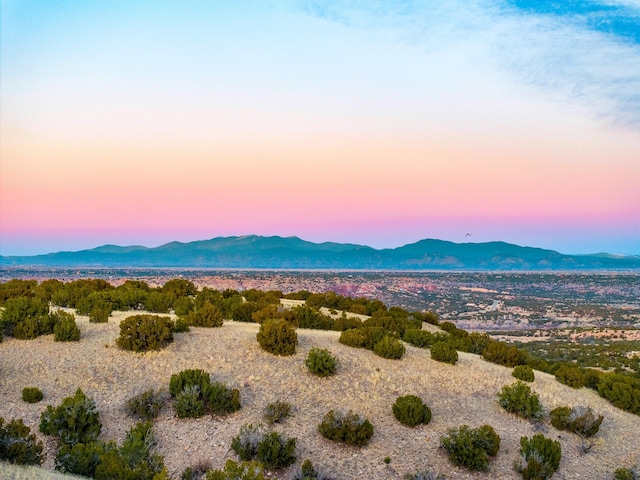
column 287, row 134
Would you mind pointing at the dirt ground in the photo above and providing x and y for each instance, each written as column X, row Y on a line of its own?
column 365, row 383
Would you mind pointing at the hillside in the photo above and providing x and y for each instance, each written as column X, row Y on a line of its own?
column 293, row 253
column 368, row 384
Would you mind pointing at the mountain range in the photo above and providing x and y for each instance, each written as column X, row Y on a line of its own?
column 276, row 252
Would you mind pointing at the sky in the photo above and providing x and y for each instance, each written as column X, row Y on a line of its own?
column 371, row 122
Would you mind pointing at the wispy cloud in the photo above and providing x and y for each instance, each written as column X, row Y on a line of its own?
column 581, row 53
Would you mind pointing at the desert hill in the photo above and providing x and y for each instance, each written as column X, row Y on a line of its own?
column 461, row 394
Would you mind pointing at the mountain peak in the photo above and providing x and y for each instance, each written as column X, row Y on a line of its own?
column 276, row 252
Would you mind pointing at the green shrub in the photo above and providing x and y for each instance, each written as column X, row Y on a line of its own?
column 524, row 373
column 272, row 449
column 206, row 316
column 277, row 337
column 75, row 420
column 134, row 459
column 276, row 451
column 26, row 329
column 46, row 323
column 140, row 333
column 579, row 420
column 373, row 335
column 389, row 347
column 418, row 338
column 448, row 327
column 471, row 447
column 190, row 403
column 183, row 306
column 591, row 378
column 559, row 417
column 146, row 405
column 181, row 325
column 519, row 399
column 626, row 474
column 321, row 362
column 65, row 329
column 490, row 439
column 444, row 352
column 32, row 394
column 343, row 323
column 195, row 394
column 478, row 342
column 541, row 457
column 197, row 471
column 307, row 471
column 18, row 445
column 409, row 410
column 346, row 428
column 244, row 312
column 182, row 379
column 136, row 451
column 19, row 309
column 424, row 475
column 621, row 390
column 570, row 375
column 276, row 412
column 503, row 354
column 222, row 400
column 353, row 337
column 82, row 458
column 99, row 315
column 309, row 317
column 247, row 441
column 235, row 471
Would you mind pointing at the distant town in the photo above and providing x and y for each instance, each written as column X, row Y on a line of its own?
column 509, row 301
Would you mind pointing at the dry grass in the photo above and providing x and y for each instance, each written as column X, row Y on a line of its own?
column 460, row 394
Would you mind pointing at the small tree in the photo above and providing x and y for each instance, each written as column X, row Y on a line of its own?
column 146, row 405
column 206, row 316
column 541, row 457
column 471, row 447
column 409, row 410
column 503, row 354
column 276, row 412
column 570, row 375
column 182, row 379
column 444, row 352
column 346, row 428
column 140, row 333
column 276, row 451
column 222, row 400
column 18, row 445
column 519, row 399
column 278, row 337
column 237, row 471
column 65, row 329
column 247, row 441
column 76, row 420
column 524, row 373
column 632, row 473
column 389, row 347
column 32, row 394
column 579, row 420
column 320, row 362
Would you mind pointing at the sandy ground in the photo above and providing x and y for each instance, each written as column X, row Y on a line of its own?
column 460, row 394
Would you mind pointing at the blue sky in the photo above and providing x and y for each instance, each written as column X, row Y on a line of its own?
column 360, row 121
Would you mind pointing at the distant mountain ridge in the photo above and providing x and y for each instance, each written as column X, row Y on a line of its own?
column 274, row 252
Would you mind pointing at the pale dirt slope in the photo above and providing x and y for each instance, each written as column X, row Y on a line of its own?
column 460, row 394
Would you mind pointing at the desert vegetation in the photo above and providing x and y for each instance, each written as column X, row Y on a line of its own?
column 294, row 339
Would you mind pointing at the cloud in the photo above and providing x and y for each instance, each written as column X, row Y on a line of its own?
column 582, row 54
